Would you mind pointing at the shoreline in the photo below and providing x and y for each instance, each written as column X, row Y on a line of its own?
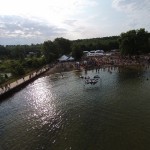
column 17, row 85
column 59, row 68
column 65, row 69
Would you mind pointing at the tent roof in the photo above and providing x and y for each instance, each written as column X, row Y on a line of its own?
column 71, row 58
column 63, row 58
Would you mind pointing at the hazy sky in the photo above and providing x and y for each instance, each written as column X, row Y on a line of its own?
column 34, row 21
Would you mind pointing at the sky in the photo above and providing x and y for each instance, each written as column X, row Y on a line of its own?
column 36, row 21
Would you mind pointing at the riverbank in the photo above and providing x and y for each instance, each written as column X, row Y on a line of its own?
column 11, row 88
column 70, row 66
column 61, row 67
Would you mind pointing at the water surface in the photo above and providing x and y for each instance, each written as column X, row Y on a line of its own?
column 60, row 113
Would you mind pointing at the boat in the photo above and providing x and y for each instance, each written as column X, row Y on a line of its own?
column 91, row 81
column 81, row 77
column 96, row 76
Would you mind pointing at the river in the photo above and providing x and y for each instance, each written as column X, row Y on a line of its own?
column 55, row 113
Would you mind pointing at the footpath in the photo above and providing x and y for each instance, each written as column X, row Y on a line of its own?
column 8, row 89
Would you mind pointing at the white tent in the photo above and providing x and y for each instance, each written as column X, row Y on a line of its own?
column 99, row 51
column 70, row 58
column 63, row 58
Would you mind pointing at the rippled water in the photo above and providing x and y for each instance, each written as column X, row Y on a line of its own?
column 61, row 114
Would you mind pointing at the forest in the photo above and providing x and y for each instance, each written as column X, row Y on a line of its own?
column 21, row 59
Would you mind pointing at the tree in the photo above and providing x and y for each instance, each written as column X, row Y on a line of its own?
column 142, row 41
column 63, row 45
column 17, row 69
column 104, row 43
column 2, row 79
column 128, row 42
column 49, row 51
column 134, row 41
column 6, row 76
column 3, row 51
column 77, row 51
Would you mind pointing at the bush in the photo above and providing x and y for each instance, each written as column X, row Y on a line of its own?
column 17, row 69
column 2, row 79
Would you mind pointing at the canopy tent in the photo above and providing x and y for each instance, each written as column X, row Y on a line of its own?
column 63, row 58
column 70, row 58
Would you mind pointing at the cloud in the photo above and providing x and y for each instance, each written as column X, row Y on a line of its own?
column 70, row 22
column 51, row 10
column 131, row 6
column 16, row 27
column 137, row 11
column 124, row 5
column 42, row 20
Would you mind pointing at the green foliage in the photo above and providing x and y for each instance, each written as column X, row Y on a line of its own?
column 105, row 43
column 16, row 52
column 131, row 42
column 17, row 69
column 49, row 51
column 3, row 52
column 53, row 50
column 63, row 45
column 143, row 38
column 6, row 76
column 21, row 51
column 34, row 62
column 2, row 79
column 5, row 65
column 77, row 51
column 134, row 42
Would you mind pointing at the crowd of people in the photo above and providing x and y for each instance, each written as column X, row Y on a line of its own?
column 115, row 60
column 97, row 62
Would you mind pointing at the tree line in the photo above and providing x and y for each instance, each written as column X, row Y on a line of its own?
column 20, row 59
column 129, row 43
column 134, row 42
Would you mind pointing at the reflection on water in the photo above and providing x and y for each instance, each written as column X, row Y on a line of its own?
column 59, row 113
